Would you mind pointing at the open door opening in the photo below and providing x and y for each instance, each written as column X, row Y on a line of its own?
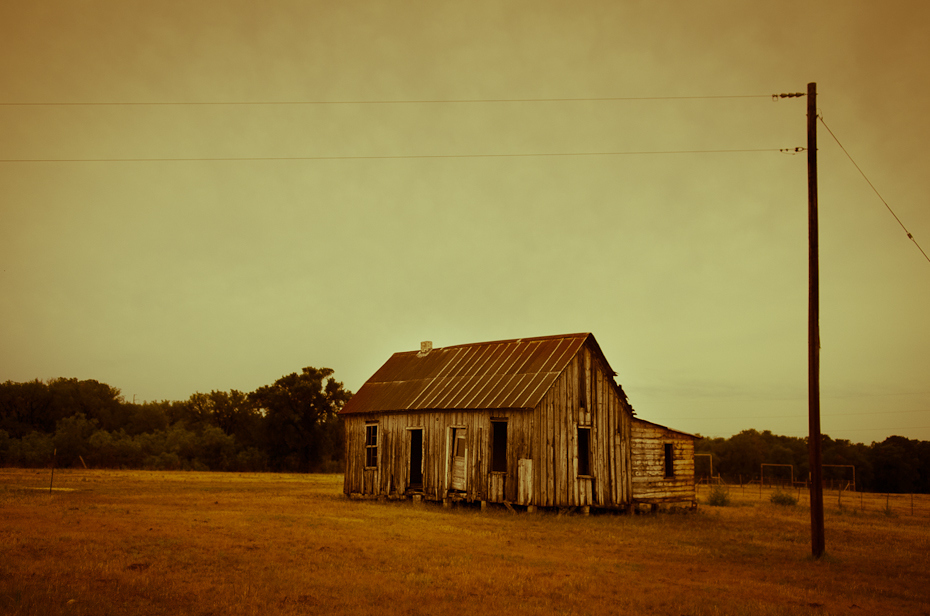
column 459, row 453
column 416, row 460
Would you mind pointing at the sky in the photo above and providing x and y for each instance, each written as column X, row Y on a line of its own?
column 202, row 196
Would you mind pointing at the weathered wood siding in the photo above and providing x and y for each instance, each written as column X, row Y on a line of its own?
column 392, row 475
column 583, row 396
column 542, row 447
column 650, row 485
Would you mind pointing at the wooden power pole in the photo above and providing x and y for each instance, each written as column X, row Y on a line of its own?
column 813, row 332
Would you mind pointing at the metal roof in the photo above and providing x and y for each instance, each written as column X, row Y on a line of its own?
column 505, row 374
column 652, row 423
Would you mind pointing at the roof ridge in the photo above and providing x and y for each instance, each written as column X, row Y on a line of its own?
column 508, row 341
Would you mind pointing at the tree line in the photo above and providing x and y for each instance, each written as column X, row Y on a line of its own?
column 291, row 425
column 895, row 465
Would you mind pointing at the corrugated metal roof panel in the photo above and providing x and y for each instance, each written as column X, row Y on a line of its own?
column 487, row 375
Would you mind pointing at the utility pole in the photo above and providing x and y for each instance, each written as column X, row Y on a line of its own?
column 813, row 331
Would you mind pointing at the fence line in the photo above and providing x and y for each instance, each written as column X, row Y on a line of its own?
column 837, row 499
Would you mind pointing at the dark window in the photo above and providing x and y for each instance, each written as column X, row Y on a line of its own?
column 371, row 445
column 499, row 446
column 669, row 460
column 584, row 451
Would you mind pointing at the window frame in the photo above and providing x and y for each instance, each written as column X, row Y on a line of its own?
column 371, row 445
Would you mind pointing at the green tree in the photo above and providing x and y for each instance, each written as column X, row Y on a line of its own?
column 233, row 412
column 94, row 399
column 895, row 465
column 71, row 438
column 300, row 412
column 146, row 417
column 34, row 449
column 24, row 407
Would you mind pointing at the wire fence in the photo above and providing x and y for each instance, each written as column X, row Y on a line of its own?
column 838, row 498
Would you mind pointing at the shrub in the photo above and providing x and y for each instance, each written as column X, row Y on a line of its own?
column 719, row 496
column 779, row 497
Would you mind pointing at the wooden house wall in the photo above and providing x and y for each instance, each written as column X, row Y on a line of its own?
column 648, row 456
column 583, row 396
column 542, row 447
column 391, row 476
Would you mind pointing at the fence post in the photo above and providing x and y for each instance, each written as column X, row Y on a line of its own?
column 52, row 480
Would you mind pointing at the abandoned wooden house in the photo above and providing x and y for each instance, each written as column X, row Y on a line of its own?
column 537, row 422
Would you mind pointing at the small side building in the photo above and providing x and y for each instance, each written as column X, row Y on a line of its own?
column 663, row 465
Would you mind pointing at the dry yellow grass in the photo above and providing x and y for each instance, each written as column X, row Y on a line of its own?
column 231, row 544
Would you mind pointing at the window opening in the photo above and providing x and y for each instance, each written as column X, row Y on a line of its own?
column 669, row 460
column 499, row 446
column 584, row 451
column 371, row 445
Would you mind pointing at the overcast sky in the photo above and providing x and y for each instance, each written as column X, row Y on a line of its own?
column 168, row 277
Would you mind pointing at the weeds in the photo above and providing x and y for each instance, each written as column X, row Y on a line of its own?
column 785, row 499
column 719, row 496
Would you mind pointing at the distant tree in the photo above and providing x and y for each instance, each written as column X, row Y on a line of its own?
column 743, row 454
column 24, row 407
column 233, row 412
column 146, row 417
column 71, row 438
column 215, row 449
column 895, row 465
column 94, row 399
column 300, row 416
column 34, row 449
column 113, row 450
column 923, row 469
column 5, row 443
column 843, row 452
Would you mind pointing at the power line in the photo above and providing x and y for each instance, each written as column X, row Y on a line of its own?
column 398, row 157
column 883, row 429
column 909, row 236
column 735, row 417
column 386, row 102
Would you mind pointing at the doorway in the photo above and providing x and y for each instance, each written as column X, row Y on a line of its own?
column 459, row 453
column 416, row 459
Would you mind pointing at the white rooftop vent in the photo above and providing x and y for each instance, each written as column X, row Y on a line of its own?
column 425, row 347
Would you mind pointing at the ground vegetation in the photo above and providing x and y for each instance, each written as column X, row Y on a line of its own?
column 156, row 542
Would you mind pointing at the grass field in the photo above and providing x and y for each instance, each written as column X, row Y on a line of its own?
column 127, row 542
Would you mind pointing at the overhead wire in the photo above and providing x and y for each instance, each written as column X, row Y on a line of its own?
column 732, row 417
column 858, row 168
column 380, row 102
column 385, row 157
column 391, row 102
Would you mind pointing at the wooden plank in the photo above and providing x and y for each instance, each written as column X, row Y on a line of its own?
column 525, row 481
column 565, row 418
column 539, row 468
column 550, row 459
